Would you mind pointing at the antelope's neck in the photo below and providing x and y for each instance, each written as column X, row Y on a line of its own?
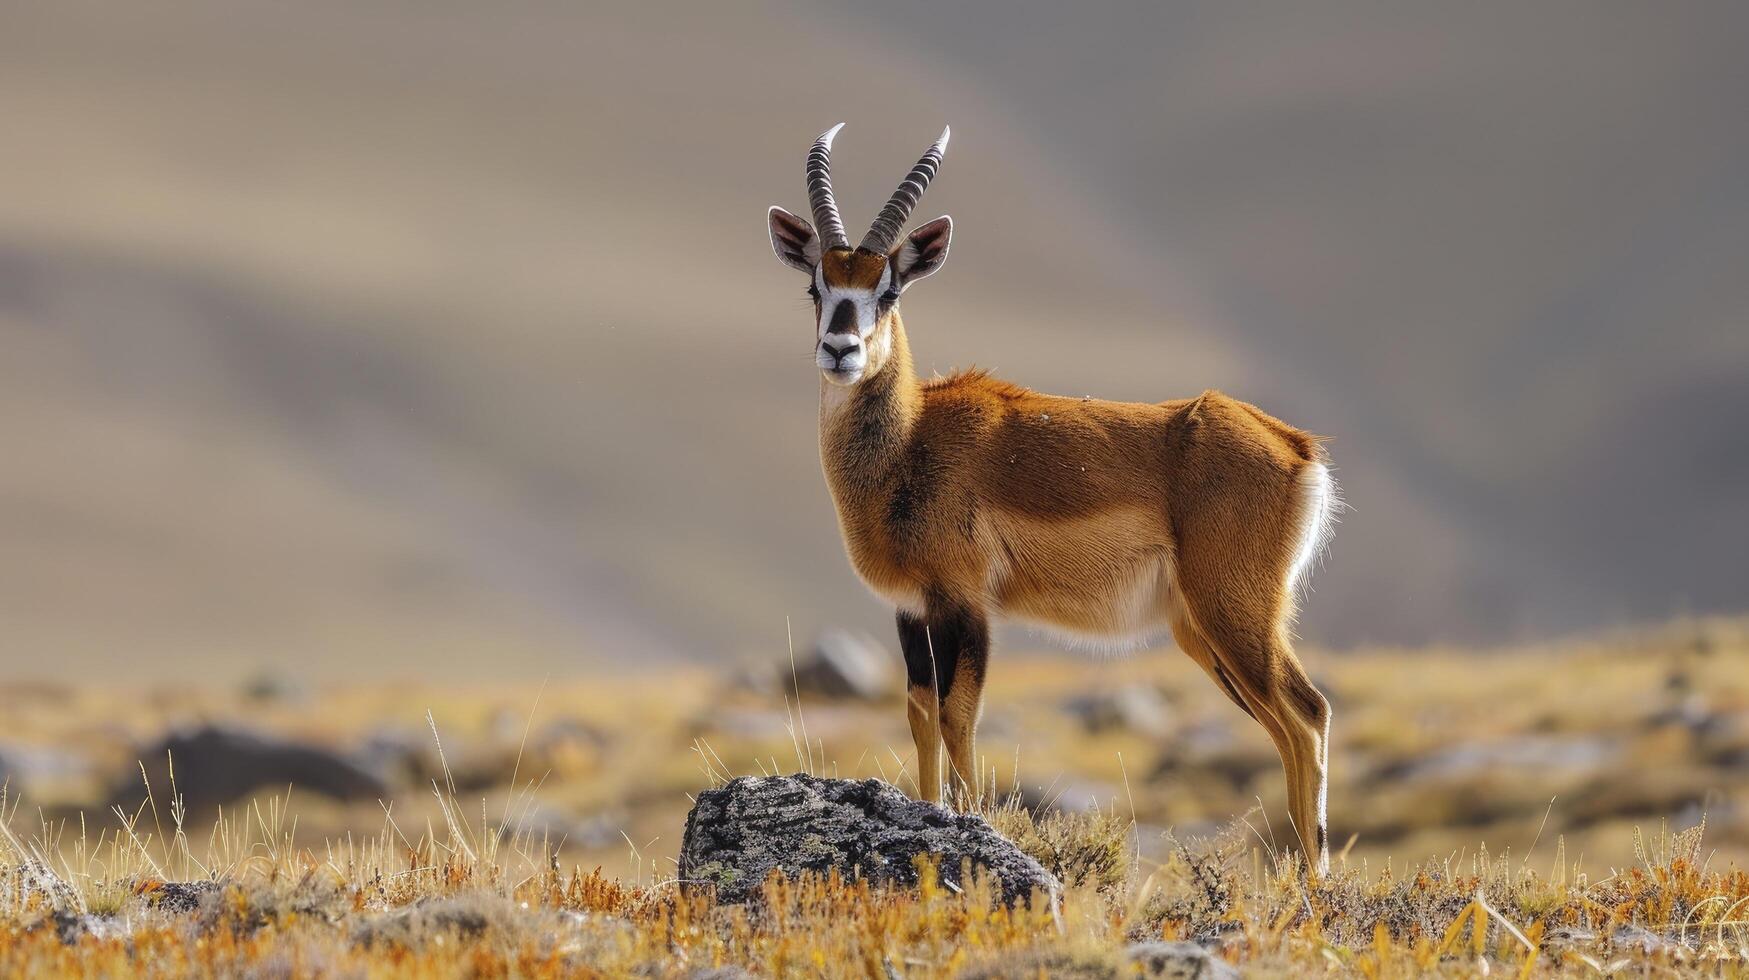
column 864, row 429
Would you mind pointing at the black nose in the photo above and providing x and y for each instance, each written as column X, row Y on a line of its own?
column 836, row 351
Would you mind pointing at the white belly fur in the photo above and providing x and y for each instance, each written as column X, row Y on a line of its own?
column 1133, row 615
column 1099, row 583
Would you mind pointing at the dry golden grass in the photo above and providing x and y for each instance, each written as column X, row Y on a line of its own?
column 480, row 901
column 1445, row 765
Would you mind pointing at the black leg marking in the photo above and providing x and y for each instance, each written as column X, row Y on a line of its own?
column 929, row 657
column 938, row 646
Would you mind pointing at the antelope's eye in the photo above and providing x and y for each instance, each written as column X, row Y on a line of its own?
column 813, row 292
column 889, row 297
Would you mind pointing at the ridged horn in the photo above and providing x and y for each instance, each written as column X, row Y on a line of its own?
column 891, row 221
column 826, row 221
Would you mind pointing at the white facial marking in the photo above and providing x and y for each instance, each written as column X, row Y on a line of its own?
column 848, row 368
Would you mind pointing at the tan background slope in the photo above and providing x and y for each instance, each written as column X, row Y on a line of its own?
column 445, row 338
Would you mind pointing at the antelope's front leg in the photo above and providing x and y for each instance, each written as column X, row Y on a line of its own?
column 922, row 705
column 946, row 655
column 962, row 698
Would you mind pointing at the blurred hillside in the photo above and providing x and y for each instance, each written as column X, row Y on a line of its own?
column 445, row 338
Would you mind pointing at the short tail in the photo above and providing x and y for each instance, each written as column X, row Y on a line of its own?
column 1320, row 505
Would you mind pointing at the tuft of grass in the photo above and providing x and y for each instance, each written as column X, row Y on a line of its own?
column 1080, row 849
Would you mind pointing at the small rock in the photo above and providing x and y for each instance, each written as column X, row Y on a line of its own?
column 736, row 836
column 1178, row 961
column 1135, row 708
column 215, row 766
column 179, row 896
column 846, row 665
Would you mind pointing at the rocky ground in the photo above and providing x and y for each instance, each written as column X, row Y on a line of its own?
column 335, row 823
column 794, row 876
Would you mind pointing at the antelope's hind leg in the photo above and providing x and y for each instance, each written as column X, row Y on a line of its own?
column 1248, row 656
column 1273, row 688
column 1310, row 711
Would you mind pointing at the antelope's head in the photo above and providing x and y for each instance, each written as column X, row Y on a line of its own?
column 856, row 290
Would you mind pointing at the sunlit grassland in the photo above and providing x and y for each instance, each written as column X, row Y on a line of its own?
column 1538, row 810
column 480, row 899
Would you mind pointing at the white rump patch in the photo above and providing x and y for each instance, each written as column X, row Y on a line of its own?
column 1322, row 501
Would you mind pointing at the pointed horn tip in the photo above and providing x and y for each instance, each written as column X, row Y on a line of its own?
column 946, row 131
column 829, row 135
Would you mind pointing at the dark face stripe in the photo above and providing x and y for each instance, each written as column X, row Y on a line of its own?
column 843, row 319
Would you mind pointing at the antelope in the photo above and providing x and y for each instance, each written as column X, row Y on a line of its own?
column 965, row 498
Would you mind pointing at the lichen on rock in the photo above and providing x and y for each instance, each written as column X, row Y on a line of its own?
column 738, row 835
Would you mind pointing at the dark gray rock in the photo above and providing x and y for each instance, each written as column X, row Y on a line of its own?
column 1178, row 961
column 181, row 896
column 846, row 665
column 736, row 836
column 215, row 766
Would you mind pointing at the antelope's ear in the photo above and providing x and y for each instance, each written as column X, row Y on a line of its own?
column 794, row 241
column 923, row 251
